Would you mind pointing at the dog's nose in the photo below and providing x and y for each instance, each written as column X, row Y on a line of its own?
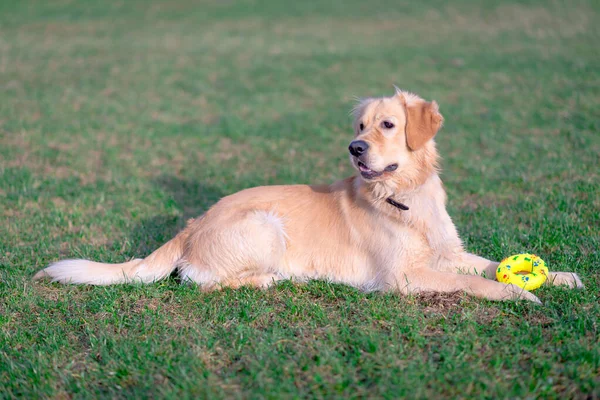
column 358, row 147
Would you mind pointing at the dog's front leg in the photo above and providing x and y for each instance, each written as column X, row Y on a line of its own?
column 461, row 262
column 569, row 279
column 429, row 280
column 476, row 265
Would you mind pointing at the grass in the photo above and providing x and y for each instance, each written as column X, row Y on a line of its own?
column 121, row 119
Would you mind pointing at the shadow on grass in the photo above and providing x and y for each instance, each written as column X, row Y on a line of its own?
column 191, row 197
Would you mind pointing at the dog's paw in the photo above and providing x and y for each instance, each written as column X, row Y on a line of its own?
column 569, row 279
column 518, row 293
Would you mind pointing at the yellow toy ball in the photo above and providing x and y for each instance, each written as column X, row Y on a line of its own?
column 527, row 271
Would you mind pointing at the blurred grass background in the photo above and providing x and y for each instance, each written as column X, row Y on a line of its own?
column 121, row 119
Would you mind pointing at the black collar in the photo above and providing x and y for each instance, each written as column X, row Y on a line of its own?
column 399, row 206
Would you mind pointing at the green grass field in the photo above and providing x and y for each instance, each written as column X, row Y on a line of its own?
column 121, row 119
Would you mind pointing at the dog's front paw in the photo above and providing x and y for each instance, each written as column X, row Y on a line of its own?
column 569, row 279
column 517, row 293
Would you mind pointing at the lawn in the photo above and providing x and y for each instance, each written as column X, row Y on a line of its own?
column 119, row 120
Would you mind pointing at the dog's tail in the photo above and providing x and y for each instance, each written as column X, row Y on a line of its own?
column 156, row 266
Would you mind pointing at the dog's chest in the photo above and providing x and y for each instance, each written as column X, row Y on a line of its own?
column 392, row 239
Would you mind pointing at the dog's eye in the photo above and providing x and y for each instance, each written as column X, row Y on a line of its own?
column 387, row 125
column 361, row 126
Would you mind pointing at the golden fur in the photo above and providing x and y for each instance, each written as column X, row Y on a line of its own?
column 346, row 232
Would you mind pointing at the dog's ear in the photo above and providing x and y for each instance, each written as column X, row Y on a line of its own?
column 423, row 120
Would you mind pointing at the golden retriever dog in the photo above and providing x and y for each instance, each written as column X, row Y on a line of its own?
column 385, row 229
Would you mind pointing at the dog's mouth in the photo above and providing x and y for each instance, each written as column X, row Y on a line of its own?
column 368, row 173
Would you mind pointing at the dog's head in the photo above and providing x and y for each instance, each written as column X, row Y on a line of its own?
column 394, row 138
